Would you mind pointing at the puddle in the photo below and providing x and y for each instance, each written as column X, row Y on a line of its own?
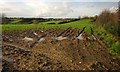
column 11, row 40
column 42, row 31
column 88, row 38
column 27, row 39
column 80, row 37
column 94, row 37
column 60, row 38
column 17, row 47
column 41, row 39
column 37, row 42
column 35, row 33
column 80, row 62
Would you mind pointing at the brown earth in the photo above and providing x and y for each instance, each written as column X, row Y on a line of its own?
column 45, row 52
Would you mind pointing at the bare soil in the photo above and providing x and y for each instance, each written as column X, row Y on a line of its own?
column 49, row 53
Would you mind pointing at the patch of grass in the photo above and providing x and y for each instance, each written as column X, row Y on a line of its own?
column 113, row 46
column 80, row 24
column 77, row 24
column 115, row 49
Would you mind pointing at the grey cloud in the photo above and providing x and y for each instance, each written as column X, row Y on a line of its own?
column 57, row 11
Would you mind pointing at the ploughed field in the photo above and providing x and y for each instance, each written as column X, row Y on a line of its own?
column 55, row 49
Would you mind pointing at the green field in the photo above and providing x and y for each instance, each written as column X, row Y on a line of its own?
column 77, row 24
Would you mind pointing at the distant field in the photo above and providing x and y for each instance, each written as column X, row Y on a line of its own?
column 45, row 25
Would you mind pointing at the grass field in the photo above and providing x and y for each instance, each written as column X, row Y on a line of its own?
column 77, row 24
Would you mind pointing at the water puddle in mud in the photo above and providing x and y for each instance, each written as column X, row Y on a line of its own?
column 80, row 37
column 88, row 38
column 37, row 42
column 94, row 37
column 27, row 39
column 42, row 31
column 41, row 39
column 17, row 47
column 35, row 33
column 59, row 38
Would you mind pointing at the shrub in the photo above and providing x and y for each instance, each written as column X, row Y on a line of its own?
column 109, row 21
column 115, row 49
column 51, row 23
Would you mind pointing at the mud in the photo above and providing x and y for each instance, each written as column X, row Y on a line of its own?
column 55, row 49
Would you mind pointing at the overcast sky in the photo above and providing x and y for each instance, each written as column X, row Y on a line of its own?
column 55, row 8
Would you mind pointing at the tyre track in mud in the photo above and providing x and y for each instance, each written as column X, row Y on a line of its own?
column 70, row 53
column 63, row 33
column 84, row 51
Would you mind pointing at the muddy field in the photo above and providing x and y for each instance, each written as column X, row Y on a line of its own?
column 55, row 49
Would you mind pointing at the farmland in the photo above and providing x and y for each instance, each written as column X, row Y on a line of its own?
column 45, row 35
column 53, row 46
column 45, row 25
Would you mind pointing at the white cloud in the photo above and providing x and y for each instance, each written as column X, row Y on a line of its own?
column 55, row 11
column 113, row 9
column 52, row 8
column 44, row 9
column 15, row 9
column 36, row 8
column 85, row 11
column 80, row 0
